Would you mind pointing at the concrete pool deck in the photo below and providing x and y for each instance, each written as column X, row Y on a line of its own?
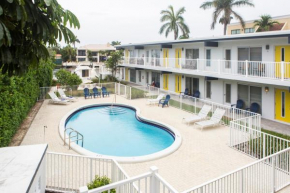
column 202, row 156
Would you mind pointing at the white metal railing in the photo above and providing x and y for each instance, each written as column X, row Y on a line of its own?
column 253, row 142
column 146, row 183
column 65, row 172
column 262, row 69
column 267, row 175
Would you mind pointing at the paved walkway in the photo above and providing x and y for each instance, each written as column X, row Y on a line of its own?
column 275, row 126
column 203, row 155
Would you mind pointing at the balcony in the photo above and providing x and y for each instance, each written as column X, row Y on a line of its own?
column 276, row 73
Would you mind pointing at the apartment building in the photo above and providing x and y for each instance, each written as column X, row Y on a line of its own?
column 82, row 52
column 236, row 28
column 253, row 67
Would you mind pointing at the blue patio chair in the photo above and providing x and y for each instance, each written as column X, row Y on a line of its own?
column 239, row 105
column 254, row 108
column 105, row 92
column 185, row 92
column 87, row 93
column 165, row 101
column 96, row 92
column 196, row 94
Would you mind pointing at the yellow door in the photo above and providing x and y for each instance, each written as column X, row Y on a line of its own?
column 178, row 83
column 165, row 81
column 126, row 74
column 165, row 57
column 282, row 54
column 282, row 98
column 177, row 57
column 127, row 56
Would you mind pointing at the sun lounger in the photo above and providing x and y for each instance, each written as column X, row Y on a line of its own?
column 214, row 120
column 200, row 116
column 56, row 100
column 155, row 101
column 63, row 95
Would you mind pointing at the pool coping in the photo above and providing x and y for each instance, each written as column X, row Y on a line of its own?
column 172, row 148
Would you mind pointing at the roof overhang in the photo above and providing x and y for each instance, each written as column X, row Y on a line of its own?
column 259, row 35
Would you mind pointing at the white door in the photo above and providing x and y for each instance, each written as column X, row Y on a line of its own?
column 226, row 65
column 227, row 93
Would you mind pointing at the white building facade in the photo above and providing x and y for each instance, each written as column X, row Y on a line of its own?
column 254, row 68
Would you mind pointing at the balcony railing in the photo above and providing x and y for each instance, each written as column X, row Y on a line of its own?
column 270, row 70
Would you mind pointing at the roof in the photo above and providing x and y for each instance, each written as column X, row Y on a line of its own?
column 272, row 34
column 97, row 47
column 18, row 167
column 252, row 21
column 80, row 67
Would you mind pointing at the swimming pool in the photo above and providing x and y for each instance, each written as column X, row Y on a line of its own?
column 119, row 132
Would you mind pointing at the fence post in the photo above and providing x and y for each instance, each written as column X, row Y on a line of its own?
column 194, row 105
column 180, row 101
column 242, row 181
column 130, row 92
column 274, row 176
column 113, row 171
column 247, row 68
column 282, row 71
column 126, row 91
column 264, row 146
column 219, row 66
column 115, row 88
column 154, row 185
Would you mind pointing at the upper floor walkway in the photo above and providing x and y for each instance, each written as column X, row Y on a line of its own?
column 275, row 73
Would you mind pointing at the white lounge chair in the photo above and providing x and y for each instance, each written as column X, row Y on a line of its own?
column 214, row 120
column 155, row 101
column 56, row 100
column 199, row 117
column 63, row 95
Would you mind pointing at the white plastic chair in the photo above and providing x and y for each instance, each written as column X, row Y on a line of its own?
column 155, row 101
column 56, row 100
column 63, row 95
column 200, row 116
column 214, row 120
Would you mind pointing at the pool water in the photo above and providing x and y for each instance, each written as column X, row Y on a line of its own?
column 115, row 131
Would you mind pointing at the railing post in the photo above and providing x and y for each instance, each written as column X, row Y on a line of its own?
column 154, row 184
column 194, row 105
column 179, row 62
column 113, row 171
column 83, row 189
column 180, row 101
column 264, row 145
column 197, row 64
column 154, row 62
column 126, row 91
column 130, row 93
column 274, row 173
column 282, row 70
column 247, row 64
column 219, row 66
column 242, row 181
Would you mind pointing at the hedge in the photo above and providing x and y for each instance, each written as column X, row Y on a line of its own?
column 18, row 96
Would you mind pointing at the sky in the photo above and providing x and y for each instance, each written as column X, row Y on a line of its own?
column 136, row 21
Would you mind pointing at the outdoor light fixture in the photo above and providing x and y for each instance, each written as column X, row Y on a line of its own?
column 266, row 89
column 182, row 49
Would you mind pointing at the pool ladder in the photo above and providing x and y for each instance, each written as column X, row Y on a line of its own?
column 78, row 136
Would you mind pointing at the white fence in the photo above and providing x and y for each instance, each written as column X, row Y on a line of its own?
column 150, row 182
column 263, row 69
column 267, row 175
column 65, row 172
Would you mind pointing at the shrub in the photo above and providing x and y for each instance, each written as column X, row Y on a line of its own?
column 100, row 181
column 66, row 78
column 136, row 93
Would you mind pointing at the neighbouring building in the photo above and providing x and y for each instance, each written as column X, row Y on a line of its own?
column 252, row 67
column 82, row 52
column 236, row 28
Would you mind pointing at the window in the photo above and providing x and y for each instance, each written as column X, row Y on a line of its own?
column 282, row 54
column 250, row 94
column 191, row 56
column 94, row 53
column 192, row 84
column 155, row 57
column 249, row 30
column 156, row 78
column 254, row 56
column 81, row 59
column 208, row 89
column 236, row 31
column 208, row 57
column 139, row 75
column 81, row 52
column 283, row 104
column 85, row 73
column 228, row 93
column 132, row 75
column 147, row 56
column 228, row 59
column 123, row 73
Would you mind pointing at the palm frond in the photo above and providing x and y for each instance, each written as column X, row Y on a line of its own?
column 207, row 5
column 243, row 2
column 163, row 27
column 180, row 11
column 165, row 18
column 215, row 16
column 184, row 28
column 168, row 30
column 238, row 17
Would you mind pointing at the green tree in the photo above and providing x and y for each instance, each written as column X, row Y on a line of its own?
column 114, row 43
column 74, row 40
column 64, row 77
column 26, row 26
column 265, row 23
column 90, row 55
column 174, row 22
column 113, row 60
column 45, row 73
column 224, row 8
column 68, row 54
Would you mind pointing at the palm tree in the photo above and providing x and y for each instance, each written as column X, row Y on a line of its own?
column 74, row 40
column 175, row 22
column 225, row 7
column 265, row 23
column 114, row 43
